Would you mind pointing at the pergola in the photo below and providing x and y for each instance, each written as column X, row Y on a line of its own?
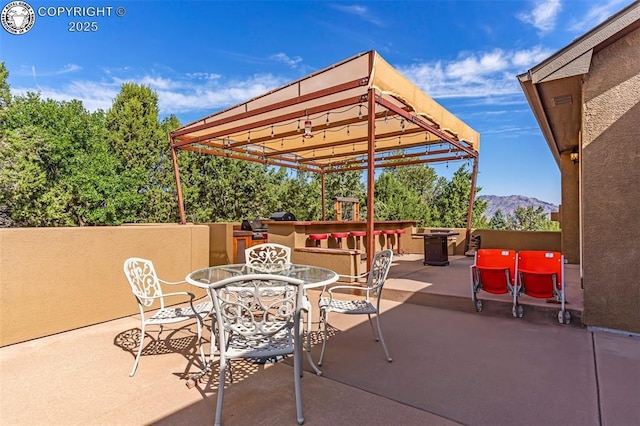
column 359, row 114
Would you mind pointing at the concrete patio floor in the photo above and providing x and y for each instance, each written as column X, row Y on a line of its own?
column 451, row 365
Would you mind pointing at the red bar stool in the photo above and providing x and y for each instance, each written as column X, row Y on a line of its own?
column 399, row 233
column 317, row 238
column 357, row 235
column 389, row 233
column 339, row 236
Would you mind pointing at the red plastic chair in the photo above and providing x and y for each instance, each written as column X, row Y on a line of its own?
column 540, row 274
column 494, row 271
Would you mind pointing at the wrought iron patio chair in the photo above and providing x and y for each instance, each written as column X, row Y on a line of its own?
column 272, row 257
column 494, row 271
column 361, row 304
column 258, row 316
column 540, row 274
column 267, row 256
column 147, row 288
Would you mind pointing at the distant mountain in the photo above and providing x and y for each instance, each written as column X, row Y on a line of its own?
column 508, row 204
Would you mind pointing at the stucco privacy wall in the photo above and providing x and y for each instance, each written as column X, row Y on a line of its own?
column 58, row 279
column 611, row 187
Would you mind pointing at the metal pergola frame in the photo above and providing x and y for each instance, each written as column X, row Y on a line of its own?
column 365, row 120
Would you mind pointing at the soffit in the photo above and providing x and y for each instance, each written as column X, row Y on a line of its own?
column 554, row 87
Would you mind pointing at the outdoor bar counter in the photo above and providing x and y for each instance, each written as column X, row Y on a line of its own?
column 296, row 234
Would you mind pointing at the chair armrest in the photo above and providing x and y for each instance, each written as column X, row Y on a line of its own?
column 347, row 287
column 171, row 282
column 177, row 293
column 354, row 276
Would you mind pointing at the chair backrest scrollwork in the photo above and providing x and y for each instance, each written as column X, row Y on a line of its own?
column 143, row 280
column 379, row 270
column 268, row 256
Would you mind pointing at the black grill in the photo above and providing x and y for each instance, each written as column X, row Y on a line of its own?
column 254, row 225
column 283, row 216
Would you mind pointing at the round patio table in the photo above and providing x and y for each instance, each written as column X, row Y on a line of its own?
column 313, row 277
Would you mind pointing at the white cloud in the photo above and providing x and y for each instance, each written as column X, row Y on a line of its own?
column 285, row 59
column 486, row 74
column 360, row 11
column 193, row 92
column 69, row 68
column 543, row 16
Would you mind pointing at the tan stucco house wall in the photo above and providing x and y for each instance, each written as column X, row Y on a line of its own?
column 610, row 164
column 586, row 99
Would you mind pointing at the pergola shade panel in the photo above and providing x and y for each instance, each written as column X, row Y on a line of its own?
column 270, row 128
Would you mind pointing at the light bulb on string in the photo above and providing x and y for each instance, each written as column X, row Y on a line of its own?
column 307, row 129
column 327, row 122
column 360, row 111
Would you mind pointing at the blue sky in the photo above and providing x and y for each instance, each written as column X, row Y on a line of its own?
column 204, row 56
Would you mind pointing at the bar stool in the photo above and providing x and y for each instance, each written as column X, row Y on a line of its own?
column 357, row 235
column 317, row 238
column 389, row 233
column 339, row 236
column 399, row 233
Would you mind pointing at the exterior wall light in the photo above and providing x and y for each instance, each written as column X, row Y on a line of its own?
column 574, row 156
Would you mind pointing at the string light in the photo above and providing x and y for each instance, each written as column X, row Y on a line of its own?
column 327, row 122
column 307, row 129
column 360, row 112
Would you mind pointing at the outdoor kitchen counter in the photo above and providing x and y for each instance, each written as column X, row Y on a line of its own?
column 295, row 234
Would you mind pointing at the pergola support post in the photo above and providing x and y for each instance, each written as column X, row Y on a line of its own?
column 176, row 172
column 371, row 152
column 472, row 196
column 323, row 195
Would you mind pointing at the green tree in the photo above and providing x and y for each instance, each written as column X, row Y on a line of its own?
column 397, row 201
column 530, row 219
column 52, row 174
column 141, row 148
column 500, row 221
column 452, row 202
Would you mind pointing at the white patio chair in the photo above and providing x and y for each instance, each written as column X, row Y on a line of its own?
column 147, row 289
column 272, row 258
column 267, row 256
column 362, row 304
column 258, row 316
